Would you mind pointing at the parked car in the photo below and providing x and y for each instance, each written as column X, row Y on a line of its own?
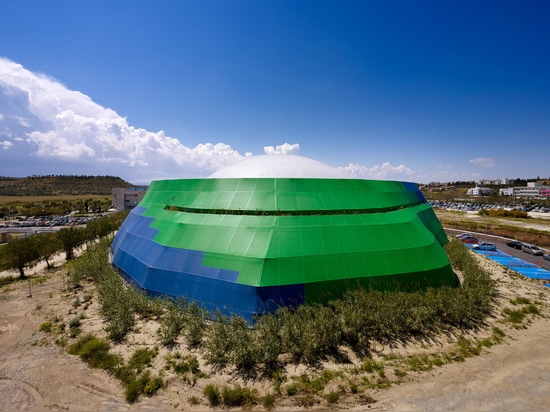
column 516, row 244
column 460, row 236
column 546, row 256
column 532, row 249
column 469, row 239
column 485, row 246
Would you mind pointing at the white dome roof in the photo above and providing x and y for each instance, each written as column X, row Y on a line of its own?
column 274, row 166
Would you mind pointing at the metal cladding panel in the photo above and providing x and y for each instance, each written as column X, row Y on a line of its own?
column 282, row 194
column 245, row 244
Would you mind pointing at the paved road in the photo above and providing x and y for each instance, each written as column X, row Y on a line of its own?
column 500, row 243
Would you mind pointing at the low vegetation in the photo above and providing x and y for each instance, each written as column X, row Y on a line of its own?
column 137, row 379
column 55, row 185
column 309, row 335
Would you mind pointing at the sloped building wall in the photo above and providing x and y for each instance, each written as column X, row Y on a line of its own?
column 246, row 246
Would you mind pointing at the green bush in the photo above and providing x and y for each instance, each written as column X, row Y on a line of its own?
column 310, row 332
column 268, row 401
column 332, row 397
column 266, row 334
column 95, row 352
column 74, row 322
column 238, row 396
column 217, row 348
column 46, row 327
column 116, row 307
column 172, row 323
column 212, row 393
column 245, row 350
column 142, row 358
column 195, row 325
column 145, row 384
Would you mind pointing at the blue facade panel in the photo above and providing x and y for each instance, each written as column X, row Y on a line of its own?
column 166, row 271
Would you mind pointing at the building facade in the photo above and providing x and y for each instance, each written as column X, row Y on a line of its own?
column 479, row 191
column 128, row 197
column 533, row 190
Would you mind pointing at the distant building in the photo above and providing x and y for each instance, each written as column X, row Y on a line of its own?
column 479, row 191
column 507, row 191
column 127, row 198
column 533, row 190
column 495, row 182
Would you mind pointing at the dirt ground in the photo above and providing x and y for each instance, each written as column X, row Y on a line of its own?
column 38, row 375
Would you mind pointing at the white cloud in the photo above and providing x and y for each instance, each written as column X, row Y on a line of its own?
column 45, row 128
column 6, row 144
column 384, row 171
column 45, row 120
column 283, row 149
column 486, row 162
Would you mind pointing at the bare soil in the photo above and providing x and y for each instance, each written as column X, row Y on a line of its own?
column 37, row 374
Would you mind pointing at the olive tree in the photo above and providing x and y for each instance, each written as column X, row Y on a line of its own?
column 21, row 253
column 71, row 238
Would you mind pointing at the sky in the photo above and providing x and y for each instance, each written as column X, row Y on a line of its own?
column 421, row 91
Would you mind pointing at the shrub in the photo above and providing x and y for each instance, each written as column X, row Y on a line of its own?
column 46, row 326
column 142, row 358
column 245, row 349
column 238, row 396
column 95, row 352
column 193, row 400
column 310, row 332
column 185, row 365
column 268, row 401
column 332, row 397
column 144, row 385
column 132, row 391
column 74, row 332
column 212, row 393
column 195, row 325
column 217, row 348
column 152, row 385
column 266, row 331
column 74, row 322
column 172, row 323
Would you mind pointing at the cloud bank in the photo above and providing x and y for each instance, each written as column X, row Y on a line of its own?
column 283, row 149
column 485, row 162
column 43, row 121
column 46, row 128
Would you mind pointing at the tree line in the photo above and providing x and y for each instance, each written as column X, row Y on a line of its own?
column 59, row 185
column 22, row 253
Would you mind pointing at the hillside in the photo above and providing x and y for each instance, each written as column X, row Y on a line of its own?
column 60, row 185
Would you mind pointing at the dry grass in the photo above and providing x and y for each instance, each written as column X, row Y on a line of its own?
column 19, row 200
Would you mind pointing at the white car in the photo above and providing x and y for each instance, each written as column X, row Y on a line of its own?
column 485, row 246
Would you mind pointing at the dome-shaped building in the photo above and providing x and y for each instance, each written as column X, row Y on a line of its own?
column 279, row 230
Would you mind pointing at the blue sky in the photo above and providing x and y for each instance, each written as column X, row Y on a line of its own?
column 407, row 90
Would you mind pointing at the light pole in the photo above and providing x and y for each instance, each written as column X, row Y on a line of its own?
column 485, row 221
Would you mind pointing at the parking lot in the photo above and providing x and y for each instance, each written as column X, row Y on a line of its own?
column 500, row 243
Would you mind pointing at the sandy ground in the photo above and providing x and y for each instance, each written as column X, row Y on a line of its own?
column 37, row 374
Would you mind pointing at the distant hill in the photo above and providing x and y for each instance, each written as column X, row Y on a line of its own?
column 60, row 185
